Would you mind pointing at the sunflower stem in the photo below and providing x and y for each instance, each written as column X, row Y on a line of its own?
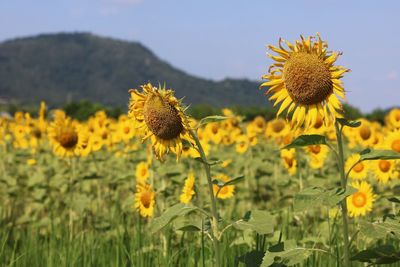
column 343, row 202
column 214, row 213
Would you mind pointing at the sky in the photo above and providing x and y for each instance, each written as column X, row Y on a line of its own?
column 216, row 39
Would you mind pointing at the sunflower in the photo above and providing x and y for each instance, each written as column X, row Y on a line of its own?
column 65, row 137
column 145, row 200
column 318, row 154
column 306, row 81
column 383, row 170
column 226, row 191
column 214, row 132
column 393, row 118
column 365, row 133
column 360, row 203
column 360, row 170
column 126, row 130
column 393, row 141
column 160, row 117
column 188, row 190
column 242, row 144
column 142, row 172
column 289, row 160
column 277, row 128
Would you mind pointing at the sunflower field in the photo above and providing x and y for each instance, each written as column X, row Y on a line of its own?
column 156, row 187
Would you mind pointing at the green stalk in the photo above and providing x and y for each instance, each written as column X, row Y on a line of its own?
column 343, row 202
column 214, row 214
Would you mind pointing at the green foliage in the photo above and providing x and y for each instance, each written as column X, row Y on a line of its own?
column 309, row 197
column 307, row 140
column 210, row 119
column 384, row 254
column 285, row 254
column 349, row 123
column 259, row 221
column 351, row 113
column 369, row 154
column 169, row 215
column 82, row 110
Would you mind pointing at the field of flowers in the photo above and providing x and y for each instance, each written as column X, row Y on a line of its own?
column 158, row 188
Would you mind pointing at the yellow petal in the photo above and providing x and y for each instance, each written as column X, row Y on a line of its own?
column 284, row 105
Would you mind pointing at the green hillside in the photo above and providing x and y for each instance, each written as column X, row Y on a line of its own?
column 65, row 67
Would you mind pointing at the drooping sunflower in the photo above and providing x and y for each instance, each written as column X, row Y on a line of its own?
column 188, row 189
column 66, row 138
column 360, row 170
column 360, row 203
column 305, row 81
column 226, row 191
column 145, row 200
column 160, row 117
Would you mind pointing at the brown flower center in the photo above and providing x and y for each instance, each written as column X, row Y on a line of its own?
column 145, row 199
column 384, row 165
column 397, row 116
column 162, row 118
column 315, row 149
column 365, row 132
column 143, row 171
column 359, row 199
column 127, row 129
column 307, row 78
column 359, row 167
column 396, row 145
column 37, row 133
column 318, row 123
column 278, row 126
column 68, row 138
column 289, row 161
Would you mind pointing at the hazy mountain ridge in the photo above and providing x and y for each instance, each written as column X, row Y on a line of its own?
column 66, row 67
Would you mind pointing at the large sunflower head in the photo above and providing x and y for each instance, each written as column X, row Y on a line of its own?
column 305, row 81
column 160, row 117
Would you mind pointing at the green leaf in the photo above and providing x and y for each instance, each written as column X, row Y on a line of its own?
column 187, row 224
column 352, row 124
column 259, row 221
column 169, row 215
column 252, row 258
column 234, row 181
column 308, row 197
column 380, row 229
column 384, row 254
column 286, row 253
column 307, row 140
column 369, row 154
column 209, row 119
column 394, row 199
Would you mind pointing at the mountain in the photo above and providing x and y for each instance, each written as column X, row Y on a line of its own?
column 64, row 67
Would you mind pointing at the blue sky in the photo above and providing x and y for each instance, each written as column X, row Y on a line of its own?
column 216, row 39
